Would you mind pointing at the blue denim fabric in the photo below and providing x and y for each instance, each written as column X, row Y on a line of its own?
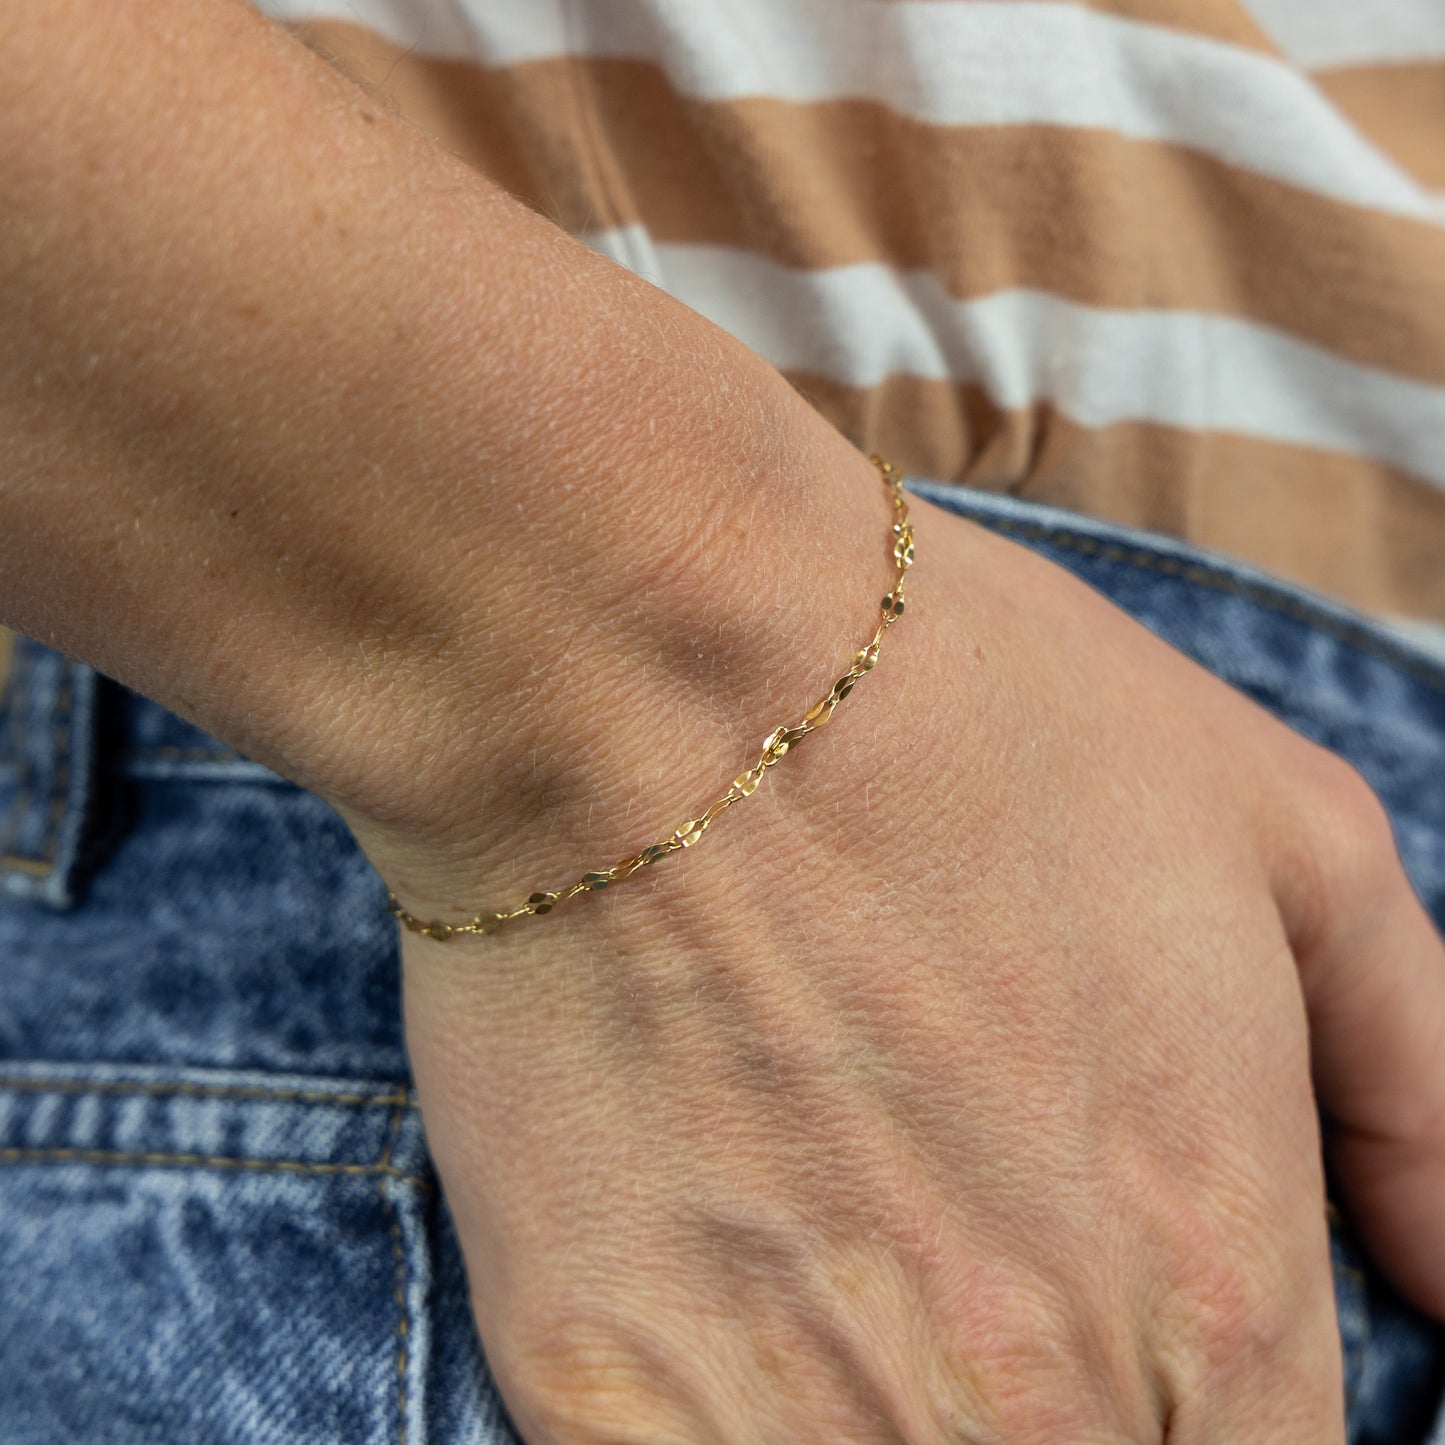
column 218, row 1220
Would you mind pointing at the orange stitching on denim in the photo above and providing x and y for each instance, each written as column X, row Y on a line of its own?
column 1336, row 1220
column 398, row 1255
column 403, row 1362
column 60, row 746
column 39, row 1085
column 62, row 741
column 36, row 867
column 8, row 640
column 20, row 697
column 1205, row 576
column 203, row 1161
column 391, row 1136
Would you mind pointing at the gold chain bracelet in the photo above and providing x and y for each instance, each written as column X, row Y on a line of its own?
column 779, row 742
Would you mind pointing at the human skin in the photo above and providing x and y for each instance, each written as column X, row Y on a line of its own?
column 958, row 1085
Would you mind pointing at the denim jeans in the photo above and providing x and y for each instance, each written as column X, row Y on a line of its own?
column 218, row 1220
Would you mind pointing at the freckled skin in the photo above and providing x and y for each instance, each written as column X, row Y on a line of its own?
column 956, row 1086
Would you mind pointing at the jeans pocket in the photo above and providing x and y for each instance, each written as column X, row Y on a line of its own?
column 191, row 1255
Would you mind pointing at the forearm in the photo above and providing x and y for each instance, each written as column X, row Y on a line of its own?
column 229, row 295
column 298, row 412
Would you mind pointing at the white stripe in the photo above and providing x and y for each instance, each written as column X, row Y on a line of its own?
column 1427, row 636
column 857, row 324
column 1321, row 34
column 986, row 62
column 443, row 28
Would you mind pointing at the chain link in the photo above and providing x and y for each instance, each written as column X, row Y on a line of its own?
column 778, row 744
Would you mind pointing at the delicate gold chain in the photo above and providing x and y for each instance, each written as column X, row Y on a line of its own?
column 779, row 742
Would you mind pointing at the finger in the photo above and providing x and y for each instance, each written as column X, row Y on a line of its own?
column 1252, row 1350
column 1372, row 968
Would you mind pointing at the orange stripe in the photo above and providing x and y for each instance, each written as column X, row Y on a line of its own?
column 1084, row 214
column 1400, row 107
column 1087, row 215
column 1370, row 536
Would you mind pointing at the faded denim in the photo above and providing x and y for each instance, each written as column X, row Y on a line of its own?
column 218, row 1220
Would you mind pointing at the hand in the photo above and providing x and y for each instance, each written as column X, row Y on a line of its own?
column 957, row 1087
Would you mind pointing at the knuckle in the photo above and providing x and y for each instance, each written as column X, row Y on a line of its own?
column 1346, row 848
column 1017, row 1371
column 1245, row 1327
column 570, row 1380
column 1352, row 825
column 1243, row 1323
column 1230, row 1314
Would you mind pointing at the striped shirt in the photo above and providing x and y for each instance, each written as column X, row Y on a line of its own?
column 1178, row 263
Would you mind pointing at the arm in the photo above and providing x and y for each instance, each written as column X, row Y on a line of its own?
column 299, row 411
column 945, row 1097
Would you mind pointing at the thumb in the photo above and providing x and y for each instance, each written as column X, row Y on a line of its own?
column 1372, row 968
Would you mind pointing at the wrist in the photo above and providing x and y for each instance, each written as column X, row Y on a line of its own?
column 562, row 733
column 332, row 448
